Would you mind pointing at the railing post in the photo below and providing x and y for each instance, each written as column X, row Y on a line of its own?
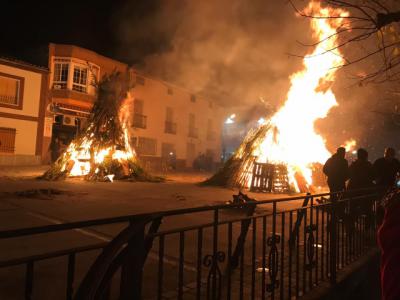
column 333, row 239
column 132, row 269
column 244, row 228
column 300, row 216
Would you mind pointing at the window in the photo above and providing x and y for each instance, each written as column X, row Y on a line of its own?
column 140, row 80
column 147, row 146
column 7, row 140
column 11, row 90
column 60, row 77
column 170, row 91
column 139, row 120
column 170, row 126
column 79, row 82
column 138, row 106
column 193, row 98
column 192, row 130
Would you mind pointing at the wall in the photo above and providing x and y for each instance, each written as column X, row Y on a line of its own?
column 27, row 121
column 154, row 94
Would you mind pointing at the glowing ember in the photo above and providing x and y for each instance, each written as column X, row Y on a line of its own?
column 291, row 139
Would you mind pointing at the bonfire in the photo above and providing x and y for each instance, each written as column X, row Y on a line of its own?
column 103, row 152
column 288, row 141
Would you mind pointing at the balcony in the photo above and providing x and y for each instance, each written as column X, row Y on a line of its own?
column 170, row 127
column 193, row 132
column 139, row 121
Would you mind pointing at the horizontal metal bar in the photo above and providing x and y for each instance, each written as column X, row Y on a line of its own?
column 54, row 254
column 96, row 222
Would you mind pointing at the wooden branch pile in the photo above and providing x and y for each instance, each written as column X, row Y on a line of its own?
column 104, row 130
column 237, row 171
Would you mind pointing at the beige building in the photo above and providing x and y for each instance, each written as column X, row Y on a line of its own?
column 170, row 125
column 24, row 136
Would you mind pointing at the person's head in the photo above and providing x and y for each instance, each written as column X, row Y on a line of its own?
column 341, row 152
column 362, row 154
column 390, row 153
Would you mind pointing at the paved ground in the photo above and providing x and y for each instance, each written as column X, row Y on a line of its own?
column 81, row 200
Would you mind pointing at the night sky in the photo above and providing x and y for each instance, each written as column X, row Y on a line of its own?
column 26, row 27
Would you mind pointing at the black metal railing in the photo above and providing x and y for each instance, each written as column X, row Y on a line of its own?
column 139, row 121
column 170, row 127
column 267, row 249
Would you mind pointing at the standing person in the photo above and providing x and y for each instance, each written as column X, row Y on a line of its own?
column 386, row 168
column 361, row 176
column 389, row 244
column 336, row 169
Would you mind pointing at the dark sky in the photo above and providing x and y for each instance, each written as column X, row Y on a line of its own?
column 26, row 27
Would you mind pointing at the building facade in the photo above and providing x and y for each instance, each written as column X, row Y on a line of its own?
column 170, row 127
column 24, row 136
column 73, row 73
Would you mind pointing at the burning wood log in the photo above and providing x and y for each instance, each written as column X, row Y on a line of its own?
column 103, row 148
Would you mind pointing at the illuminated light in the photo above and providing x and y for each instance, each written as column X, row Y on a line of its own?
column 261, row 121
column 231, row 119
column 261, row 269
column 291, row 139
column 171, row 153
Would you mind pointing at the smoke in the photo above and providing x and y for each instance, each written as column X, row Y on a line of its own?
column 236, row 52
column 232, row 51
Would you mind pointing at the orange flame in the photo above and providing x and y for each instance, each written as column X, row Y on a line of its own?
column 80, row 154
column 293, row 140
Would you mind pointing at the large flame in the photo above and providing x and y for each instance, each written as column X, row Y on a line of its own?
column 81, row 155
column 293, row 140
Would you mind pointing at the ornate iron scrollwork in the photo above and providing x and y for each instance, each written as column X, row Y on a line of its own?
column 310, row 247
column 273, row 262
column 214, row 278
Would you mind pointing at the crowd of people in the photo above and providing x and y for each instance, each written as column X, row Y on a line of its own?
column 362, row 174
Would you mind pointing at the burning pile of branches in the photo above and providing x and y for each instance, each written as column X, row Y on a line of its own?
column 102, row 151
column 237, row 171
column 289, row 138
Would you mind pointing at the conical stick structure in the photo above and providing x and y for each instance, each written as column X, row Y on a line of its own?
column 237, row 170
column 103, row 151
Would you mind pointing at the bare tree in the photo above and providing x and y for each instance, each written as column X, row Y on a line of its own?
column 372, row 30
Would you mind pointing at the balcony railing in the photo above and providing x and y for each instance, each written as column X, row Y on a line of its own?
column 139, row 121
column 193, row 132
column 170, row 127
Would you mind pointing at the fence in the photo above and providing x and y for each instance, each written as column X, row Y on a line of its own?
column 271, row 249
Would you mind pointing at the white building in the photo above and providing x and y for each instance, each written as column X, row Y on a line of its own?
column 24, row 136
